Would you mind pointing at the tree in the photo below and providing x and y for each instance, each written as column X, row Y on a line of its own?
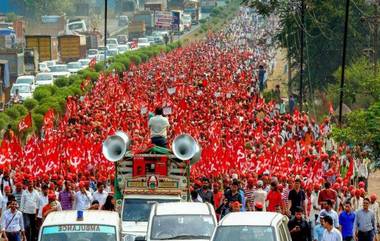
column 42, row 7
column 323, row 27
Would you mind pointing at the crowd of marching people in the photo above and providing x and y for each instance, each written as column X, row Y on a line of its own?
column 256, row 156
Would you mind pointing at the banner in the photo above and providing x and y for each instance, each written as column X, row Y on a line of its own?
column 163, row 19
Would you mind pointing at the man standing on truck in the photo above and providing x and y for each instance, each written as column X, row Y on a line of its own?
column 158, row 125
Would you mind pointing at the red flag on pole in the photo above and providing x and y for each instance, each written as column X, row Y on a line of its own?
column 331, row 108
column 49, row 119
column 25, row 123
column 92, row 64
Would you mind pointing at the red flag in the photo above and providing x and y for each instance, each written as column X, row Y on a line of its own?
column 49, row 119
column 85, row 83
column 25, row 123
column 92, row 64
column 331, row 109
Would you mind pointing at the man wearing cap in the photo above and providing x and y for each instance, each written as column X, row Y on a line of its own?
column 12, row 223
column 327, row 194
column 18, row 193
column 298, row 227
column 248, row 194
column 52, row 206
column 365, row 223
column 259, row 195
column 158, row 125
column 29, row 205
column 374, row 206
column 83, row 198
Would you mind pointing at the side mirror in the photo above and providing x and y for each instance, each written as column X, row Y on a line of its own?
column 140, row 238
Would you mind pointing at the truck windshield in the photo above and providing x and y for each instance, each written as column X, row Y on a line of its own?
column 182, row 227
column 74, row 232
column 242, row 233
column 138, row 210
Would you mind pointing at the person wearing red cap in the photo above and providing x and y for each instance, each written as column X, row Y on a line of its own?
column 374, row 206
column 235, row 206
column 248, row 193
column 18, row 192
column 357, row 201
column 217, row 194
column 327, row 194
column 259, row 207
column 52, row 206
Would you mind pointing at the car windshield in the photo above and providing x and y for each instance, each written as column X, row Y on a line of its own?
column 42, row 77
column 182, row 227
column 84, row 62
column 21, row 89
column 143, row 40
column 42, row 65
column 138, row 210
column 244, row 233
column 58, row 68
column 83, row 232
column 111, row 41
column 75, row 26
column 92, row 52
column 76, row 65
column 24, row 81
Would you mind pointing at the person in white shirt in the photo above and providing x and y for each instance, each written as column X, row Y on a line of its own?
column 158, row 128
column 83, row 198
column 259, row 195
column 5, row 198
column 374, row 206
column 12, row 223
column 42, row 201
column 29, row 205
column 330, row 233
column 100, row 195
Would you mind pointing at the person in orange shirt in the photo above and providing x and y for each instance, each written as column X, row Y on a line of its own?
column 52, row 206
column 274, row 198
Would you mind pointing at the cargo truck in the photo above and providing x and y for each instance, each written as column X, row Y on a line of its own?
column 15, row 62
column 154, row 175
column 44, row 45
column 136, row 29
column 71, row 47
column 147, row 17
column 192, row 7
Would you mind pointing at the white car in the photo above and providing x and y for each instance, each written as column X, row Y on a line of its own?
column 44, row 79
column 112, row 46
column 84, row 62
column 50, row 63
column 112, row 53
column 112, row 41
column 241, row 226
column 123, row 48
column 24, row 90
column 143, row 42
column 100, row 57
column 42, row 67
column 91, row 53
column 59, row 70
column 181, row 221
column 136, row 210
column 74, row 67
column 27, row 79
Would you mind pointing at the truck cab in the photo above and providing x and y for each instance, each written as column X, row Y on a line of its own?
column 90, row 225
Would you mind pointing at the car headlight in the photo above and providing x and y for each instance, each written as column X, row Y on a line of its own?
column 129, row 237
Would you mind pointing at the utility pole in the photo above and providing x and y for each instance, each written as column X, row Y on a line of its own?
column 343, row 61
column 105, row 29
column 302, row 47
column 375, row 39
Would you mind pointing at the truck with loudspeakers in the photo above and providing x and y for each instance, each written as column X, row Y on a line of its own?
column 154, row 175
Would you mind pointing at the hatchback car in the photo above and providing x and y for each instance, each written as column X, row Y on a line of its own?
column 26, row 79
column 44, row 79
column 252, row 226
